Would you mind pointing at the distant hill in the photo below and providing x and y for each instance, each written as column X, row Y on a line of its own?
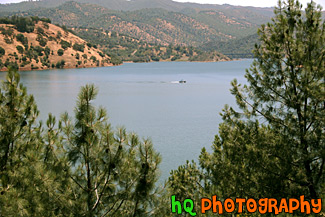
column 28, row 44
column 191, row 28
column 239, row 48
column 162, row 22
column 126, row 48
column 132, row 5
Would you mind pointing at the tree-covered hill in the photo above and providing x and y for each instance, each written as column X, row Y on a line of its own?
column 221, row 27
column 239, row 48
column 125, row 48
column 152, row 25
column 123, row 5
column 163, row 22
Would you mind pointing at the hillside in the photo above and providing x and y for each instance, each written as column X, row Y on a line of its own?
column 225, row 28
column 239, row 48
column 28, row 44
column 192, row 27
column 132, row 5
column 125, row 48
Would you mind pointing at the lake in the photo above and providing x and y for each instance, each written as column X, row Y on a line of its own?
column 180, row 119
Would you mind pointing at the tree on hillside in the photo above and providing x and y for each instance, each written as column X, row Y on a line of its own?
column 273, row 147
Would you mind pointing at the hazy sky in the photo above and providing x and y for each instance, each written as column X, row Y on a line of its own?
column 256, row 3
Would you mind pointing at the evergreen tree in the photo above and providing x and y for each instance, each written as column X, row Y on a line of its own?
column 274, row 147
column 28, row 187
column 114, row 173
column 66, row 169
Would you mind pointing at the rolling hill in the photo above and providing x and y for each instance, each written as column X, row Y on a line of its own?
column 191, row 28
column 162, row 22
column 28, row 44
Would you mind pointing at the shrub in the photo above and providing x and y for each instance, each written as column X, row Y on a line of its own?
column 60, row 64
column 93, row 58
column 21, row 38
column 8, row 40
column 60, row 52
column 42, row 41
column 7, row 32
column 46, row 25
column 101, row 54
column 59, row 35
column 40, row 30
column 155, row 58
column 20, row 49
column 39, row 50
column 79, row 47
column 47, row 51
column 2, row 51
column 65, row 44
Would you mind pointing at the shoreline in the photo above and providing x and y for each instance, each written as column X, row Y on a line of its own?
column 4, row 69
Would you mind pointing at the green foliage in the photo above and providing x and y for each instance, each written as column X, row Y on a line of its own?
column 36, row 19
column 11, row 64
column 60, row 52
column 40, row 30
column 46, row 25
column 20, row 49
column 23, row 24
column 109, row 164
column 79, row 47
column 47, row 51
column 39, row 50
column 239, row 48
column 71, row 168
column 89, row 45
column 2, row 51
column 7, row 32
column 27, row 184
column 9, row 40
column 58, row 35
column 21, row 38
column 93, row 58
column 42, row 41
column 274, row 146
column 60, row 64
column 65, row 44
column 115, row 60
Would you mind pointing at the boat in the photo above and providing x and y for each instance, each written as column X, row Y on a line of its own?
column 178, row 82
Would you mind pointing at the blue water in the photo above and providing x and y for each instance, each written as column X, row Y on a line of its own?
column 180, row 119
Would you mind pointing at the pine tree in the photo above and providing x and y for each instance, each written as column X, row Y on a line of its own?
column 113, row 173
column 273, row 147
column 286, row 91
column 28, row 187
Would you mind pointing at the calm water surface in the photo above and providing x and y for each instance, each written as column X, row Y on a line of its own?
column 180, row 119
